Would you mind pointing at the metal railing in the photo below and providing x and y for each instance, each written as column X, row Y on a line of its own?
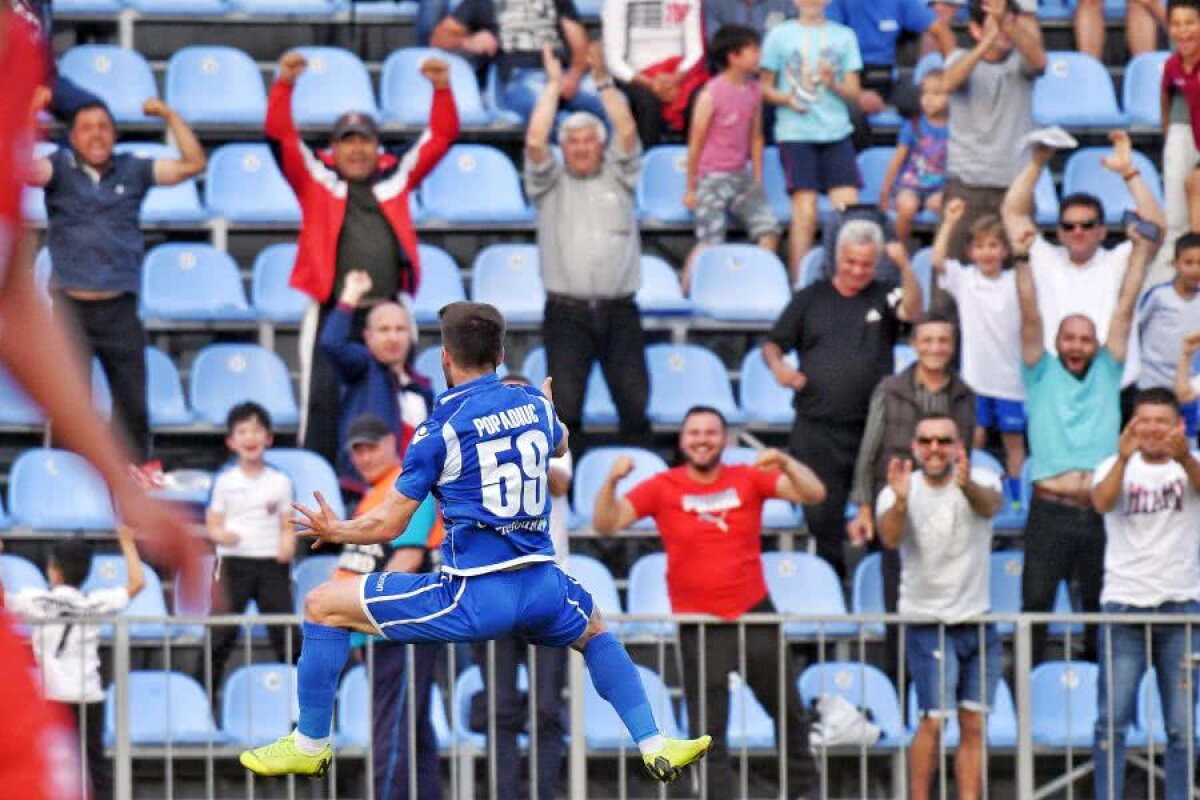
column 1046, row 753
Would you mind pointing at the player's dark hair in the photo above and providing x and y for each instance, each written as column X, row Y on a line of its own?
column 931, row 318
column 72, row 558
column 989, row 225
column 473, row 334
column 730, row 40
column 978, row 14
column 1186, row 242
column 1081, row 200
column 1156, row 396
column 244, row 412
column 694, row 410
column 928, row 416
column 91, row 105
column 1194, row 5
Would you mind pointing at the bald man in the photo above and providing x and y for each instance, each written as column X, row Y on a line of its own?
column 376, row 373
column 1073, row 400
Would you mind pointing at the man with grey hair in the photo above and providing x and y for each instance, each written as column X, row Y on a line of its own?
column 843, row 330
column 590, row 252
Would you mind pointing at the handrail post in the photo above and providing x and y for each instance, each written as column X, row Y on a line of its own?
column 122, row 760
column 1023, row 668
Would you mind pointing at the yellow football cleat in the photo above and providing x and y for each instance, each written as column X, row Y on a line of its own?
column 667, row 764
column 282, row 757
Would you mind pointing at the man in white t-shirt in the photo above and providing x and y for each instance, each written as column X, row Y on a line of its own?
column 1149, row 496
column 940, row 518
column 1079, row 275
column 66, row 639
column 249, row 519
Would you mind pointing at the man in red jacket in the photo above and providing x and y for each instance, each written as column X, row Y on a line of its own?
column 355, row 205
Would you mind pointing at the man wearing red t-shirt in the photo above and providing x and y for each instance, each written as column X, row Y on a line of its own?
column 710, row 518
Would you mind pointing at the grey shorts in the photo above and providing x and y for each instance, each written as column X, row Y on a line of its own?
column 720, row 193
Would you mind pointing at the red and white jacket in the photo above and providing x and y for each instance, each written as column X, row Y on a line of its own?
column 322, row 192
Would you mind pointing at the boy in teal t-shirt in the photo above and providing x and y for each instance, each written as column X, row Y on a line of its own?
column 811, row 72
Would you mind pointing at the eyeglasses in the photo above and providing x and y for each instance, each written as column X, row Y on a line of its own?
column 944, row 441
column 1074, row 226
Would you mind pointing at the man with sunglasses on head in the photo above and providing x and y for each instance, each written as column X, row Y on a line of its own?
column 1073, row 400
column 1080, row 275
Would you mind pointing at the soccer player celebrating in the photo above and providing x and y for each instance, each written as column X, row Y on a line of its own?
column 484, row 453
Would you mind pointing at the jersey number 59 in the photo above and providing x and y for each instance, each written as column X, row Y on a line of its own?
column 509, row 488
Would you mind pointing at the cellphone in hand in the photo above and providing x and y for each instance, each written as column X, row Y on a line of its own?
column 1145, row 228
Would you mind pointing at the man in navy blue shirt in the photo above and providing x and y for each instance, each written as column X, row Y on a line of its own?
column 484, row 453
column 93, row 199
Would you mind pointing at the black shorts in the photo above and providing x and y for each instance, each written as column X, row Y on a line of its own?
column 819, row 166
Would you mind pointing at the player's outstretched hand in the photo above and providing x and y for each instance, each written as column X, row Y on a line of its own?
column 320, row 524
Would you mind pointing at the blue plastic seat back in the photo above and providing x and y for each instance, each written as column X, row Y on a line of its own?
column 353, row 708
column 210, row 84
column 334, row 82
column 121, row 78
column 193, row 281
column 243, row 184
column 1141, row 88
column 863, row 685
column 270, row 293
column 163, row 707
column 310, row 473
column 872, row 167
column 761, row 397
column 599, row 582
column 739, row 283
column 801, row 583
column 1085, row 173
column 309, row 573
column 662, row 183
column 812, row 267
column 593, row 468
column 273, row 8
column 1064, row 696
column 646, row 593
column 604, row 729
column 598, row 405
column 1004, row 585
column 1045, row 199
column 468, row 684
column 429, row 364
column 1002, row 719
column 922, row 264
column 866, row 591
column 164, row 391
column 206, row 8
column 750, row 725
column 405, row 95
column 16, row 407
column 495, row 194
column 166, row 204
column 508, row 276
column 682, row 376
column 56, row 490
column 197, row 605
column 661, row 292
column 775, row 185
column 109, row 572
column 17, row 573
column 1057, row 99
column 441, row 284
column 224, row 375
column 1149, row 721
column 259, row 703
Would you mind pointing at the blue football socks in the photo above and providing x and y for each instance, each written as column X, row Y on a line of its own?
column 322, row 657
column 617, row 681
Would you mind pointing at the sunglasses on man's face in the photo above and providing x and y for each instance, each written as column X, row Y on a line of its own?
column 1075, row 226
column 944, row 441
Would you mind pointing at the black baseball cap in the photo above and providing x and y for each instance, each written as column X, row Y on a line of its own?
column 366, row 429
column 353, row 122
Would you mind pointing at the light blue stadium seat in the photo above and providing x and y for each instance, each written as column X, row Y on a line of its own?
column 17, row 410
column 56, row 490
column 801, row 583
column 213, row 8
column 278, row 8
column 1149, row 716
column 213, row 84
column 163, row 707
column 603, row 728
column 259, row 704
column 739, row 283
column 599, row 582
column 951, row 733
column 33, row 205
column 508, row 276
column 334, row 82
column 405, row 95
column 646, row 593
column 872, row 167
column 660, row 293
column 1063, row 605
column 866, row 592
column 109, row 572
column 750, row 726
column 682, row 376
column 198, row 605
column 195, row 282
column 468, row 684
column 178, row 204
column 243, row 184
column 353, row 719
column 761, row 397
column 1045, row 199
column 863, row 685
column 593, row 468
column 922, row 264
column 309, row 573
column 119, row 77
column 1063, row 697
column 1085, row 173
column 224, row 375
column 903, row 356
column 1057, row 99
column 17, row 574
column 310, row 473
column 777, row 512
column 775, row 185
column 1015, row 510
column 273, row 299
column 495, row 194
column 1141, row 86
column 1055, row 10
column 598, row 405
column 661, row 185
column 812, row 267
column 42, row 267
column 429, row 364
column 88, row 8
column 164, row 392
column 441, row 284
column 1001, row 719
column 1004, row 585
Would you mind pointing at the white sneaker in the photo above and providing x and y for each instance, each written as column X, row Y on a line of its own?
column 1053, row 137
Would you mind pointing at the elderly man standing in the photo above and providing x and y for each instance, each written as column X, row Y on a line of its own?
column 1074, row 420
column 844, row 330
column 590, row 251
column 355, row 206
column 93, row 201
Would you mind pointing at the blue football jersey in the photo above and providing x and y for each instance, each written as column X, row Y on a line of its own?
column 485, row 452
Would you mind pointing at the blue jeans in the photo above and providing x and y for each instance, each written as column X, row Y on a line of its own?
column 520, row 93
column 952, row 667
column 1123, row 647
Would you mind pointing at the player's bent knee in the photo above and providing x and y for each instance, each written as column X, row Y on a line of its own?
column 336, row 604
column 595, row 627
